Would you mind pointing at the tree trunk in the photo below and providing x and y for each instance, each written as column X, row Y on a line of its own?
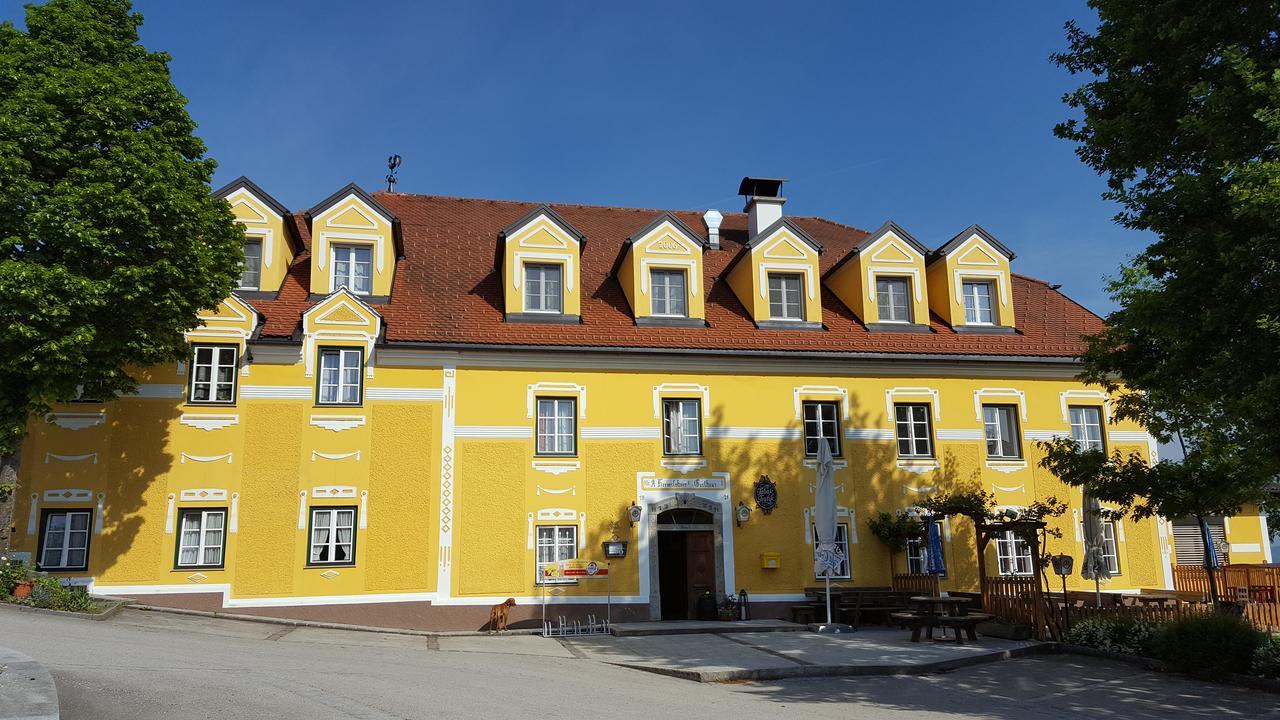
column 9, row 478
column 1208, row 563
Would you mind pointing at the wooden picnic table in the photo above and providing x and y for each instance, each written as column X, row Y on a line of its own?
column 941, row 605
column 945, row 612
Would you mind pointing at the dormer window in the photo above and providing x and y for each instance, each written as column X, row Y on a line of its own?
column 353, row 268
column 893, row 299
column 251, row 270
column 977, row 303
column 786, row 300
column 542, row 288
column 670, row 298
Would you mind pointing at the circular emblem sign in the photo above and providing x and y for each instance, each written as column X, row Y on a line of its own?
column 766, row 494
column 592, row 568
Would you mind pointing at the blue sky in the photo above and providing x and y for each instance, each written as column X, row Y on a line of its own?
column 936, row 115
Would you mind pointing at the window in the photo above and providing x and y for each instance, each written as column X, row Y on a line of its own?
column 681, row 427
column 785, row 302
column 668, row 298
column 340, row 376
column 1013, row 553
column 821, row 422
column 1110, row 551
column 353, row 267
column 555, row 543
column 1086, row 427
column 557, row 426
column 64, row 540
column 213, row 374
column 914, row 436
column 333, row 536
column 251, row 271
column 916, row 561
column 1001, row 423
column 202, row 538
column 842, row 544
column 893, row 299
column 542, row 288
column 977, row 303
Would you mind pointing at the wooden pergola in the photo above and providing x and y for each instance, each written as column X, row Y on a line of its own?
column 1009, row 596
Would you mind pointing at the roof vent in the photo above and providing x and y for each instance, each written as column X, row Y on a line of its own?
column 713, row 218
column 764, row 202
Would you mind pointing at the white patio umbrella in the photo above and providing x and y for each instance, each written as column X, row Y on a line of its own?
column 1094, row 566
column 827, row 557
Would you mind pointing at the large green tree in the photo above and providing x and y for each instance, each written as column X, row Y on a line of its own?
column 110, row 242
column 1180, row 113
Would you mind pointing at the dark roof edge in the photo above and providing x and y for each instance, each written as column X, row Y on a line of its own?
column 875, row 235
column 371, row 201
column 680, row 224
column 544, row 209
column 244, row 182
column 795, row 229
column 974, row 229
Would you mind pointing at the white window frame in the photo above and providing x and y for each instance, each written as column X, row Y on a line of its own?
column 1086, row 427
column 352, row 260
column 217, row 361
column 1006, row 447
column 887, row 312
column 557, row 545
column 914, row 433
column 66, row 533
column 815, row 426
column 539, row 301
column 688, row 417
column 842, row 542
column 554, row 410
column 785, row 293
column 1110, row 547
column 973, row 310
column 1013, row 554
column 670, row 295
column 344, row 365
column 255, row 267
column 202, row 546
column 331, row 543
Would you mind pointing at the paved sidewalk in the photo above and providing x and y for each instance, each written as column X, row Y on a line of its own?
column 720, row 657
column 27, row 691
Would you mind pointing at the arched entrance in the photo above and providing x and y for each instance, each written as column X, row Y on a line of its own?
column 685, row 555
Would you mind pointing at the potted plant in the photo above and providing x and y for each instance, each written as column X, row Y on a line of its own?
column 15, row 578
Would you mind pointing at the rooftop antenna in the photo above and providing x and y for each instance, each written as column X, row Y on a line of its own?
column 393, row 163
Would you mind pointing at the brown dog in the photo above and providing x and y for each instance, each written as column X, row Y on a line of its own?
column 498, row 615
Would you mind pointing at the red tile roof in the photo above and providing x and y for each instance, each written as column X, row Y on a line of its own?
column 447, row 291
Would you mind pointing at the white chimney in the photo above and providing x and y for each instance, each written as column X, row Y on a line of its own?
column 713, row 218
column 764, row 203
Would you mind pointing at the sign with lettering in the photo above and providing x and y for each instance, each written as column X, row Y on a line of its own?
column 766, row 494
column 657, row 483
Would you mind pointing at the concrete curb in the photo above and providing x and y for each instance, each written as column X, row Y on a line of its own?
column 107, row 612
column 27, row 691
column 1271, row 685
column 814, row 671
column 327, row 625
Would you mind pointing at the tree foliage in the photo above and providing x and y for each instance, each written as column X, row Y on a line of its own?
column 110, row 242
column 895, row 529
column 1181, row 115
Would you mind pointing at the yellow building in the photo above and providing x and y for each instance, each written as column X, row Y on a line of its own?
column 415, row 403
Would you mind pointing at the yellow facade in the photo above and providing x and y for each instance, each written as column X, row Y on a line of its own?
column 888, row 253
column 542, row 239
column 782, row 249
column 351, row 220
column 975, row 257
column 667, row 245
column 264, row 222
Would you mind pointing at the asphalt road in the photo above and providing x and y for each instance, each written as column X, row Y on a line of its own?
column 143, row 665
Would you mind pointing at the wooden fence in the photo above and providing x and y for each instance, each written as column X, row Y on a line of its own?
column 916, row 584
column 1012, row 598
column 1260, row 583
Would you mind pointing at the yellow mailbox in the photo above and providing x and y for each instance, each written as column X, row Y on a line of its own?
column 771, row 560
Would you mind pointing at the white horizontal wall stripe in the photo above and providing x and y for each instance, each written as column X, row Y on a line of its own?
column 1129, row 436
column 372, row 598
column 868, row 434
column 492, row 431
column 276, row 392
column 621, row 433
column 960, row 434
column 1045, row 434
column 753, row 433
column 428, row 394
column 158, row 390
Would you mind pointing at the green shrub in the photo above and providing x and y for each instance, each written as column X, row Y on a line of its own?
column 1211, row 646
column 50, row 594
column 1266, row 659
column 12, row 572
column 1117, row 634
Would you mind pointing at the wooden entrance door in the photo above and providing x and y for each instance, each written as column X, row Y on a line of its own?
column 700, row 566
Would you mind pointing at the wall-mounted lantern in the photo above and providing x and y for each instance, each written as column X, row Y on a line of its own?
column 742, row 513
column 633, row 513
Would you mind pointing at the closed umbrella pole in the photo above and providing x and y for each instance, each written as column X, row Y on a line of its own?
column 1094, row 566
column 826, row 557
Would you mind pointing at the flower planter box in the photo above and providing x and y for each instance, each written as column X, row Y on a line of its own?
column 23, row 589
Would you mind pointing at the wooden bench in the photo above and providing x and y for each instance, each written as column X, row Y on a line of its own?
column 917, row 622
column 968, row 623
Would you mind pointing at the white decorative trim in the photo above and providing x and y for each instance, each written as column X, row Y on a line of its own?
column 76, row 421
column 557, row 514
column 335, row 456
column 718, row 481
column 1129, row 436
column 329, row 492
column 330, row 574
column 566, row 259
column 821, row 391
column 1000, row 276
column 919, row 490
column 294, row 601
column 208, row 422
column 159, row 390
column 620, row 433
column 868, row 434
column 1014, row 488
column 556, row 467
column 691, row 268
column 917, row 466
column 953, row 434
column 1007, row 466
column 203, row 494
column 168, row 514
column 71, row 458
column 276, row 392
column 1066, row 395
column 675, row 388
column 69, row 495
column 364, row 509
column 791, row 267
column 893, row 392
column 33, row 514
column 556, row 387
column 184, row 457
column 197, row 577
column 891, row 271
column 530, row 531
column 837, row 463
column 1044, row 435
column 493, row 431
column 1077, row 524
column 724, row 432
column 582, row 531
column 444, row 546
column 683, row 465
column 338, row 423
column 405, row 394
column 571, row 490
column 981, row 393
column 1246, row 547
column 233, row 523
column 302, row 509
column 1266, row 535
